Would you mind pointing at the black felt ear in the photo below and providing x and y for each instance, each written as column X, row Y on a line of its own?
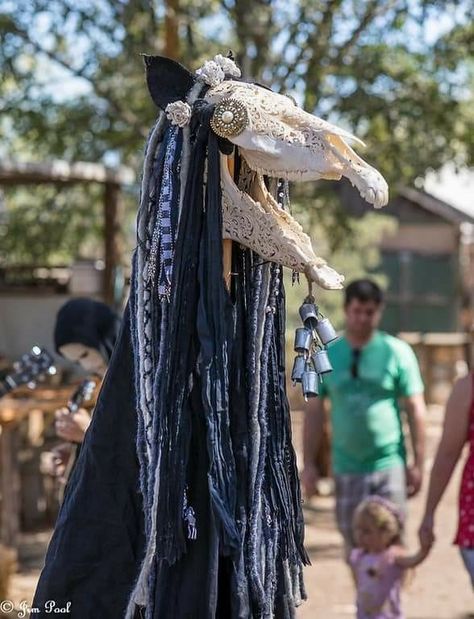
column 167, row 80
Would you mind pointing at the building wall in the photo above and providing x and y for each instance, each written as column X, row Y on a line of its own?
column 422, row 262
column 423, row 292
column 27, row 319
column 28, row 307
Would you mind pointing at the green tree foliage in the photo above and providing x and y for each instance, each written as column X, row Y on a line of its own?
column 395, row 72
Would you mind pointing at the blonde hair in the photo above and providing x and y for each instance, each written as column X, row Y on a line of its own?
column 383, row 514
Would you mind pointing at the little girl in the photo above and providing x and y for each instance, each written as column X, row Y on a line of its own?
column 379, row 560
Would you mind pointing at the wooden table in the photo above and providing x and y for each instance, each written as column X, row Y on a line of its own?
column 34, row 405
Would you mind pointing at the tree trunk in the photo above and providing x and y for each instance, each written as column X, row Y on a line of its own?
column 172, row 46
column 111, row 240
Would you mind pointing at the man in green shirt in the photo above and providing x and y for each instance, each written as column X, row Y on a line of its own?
column 374, row 376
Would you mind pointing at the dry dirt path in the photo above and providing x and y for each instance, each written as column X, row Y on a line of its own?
column 440, row 588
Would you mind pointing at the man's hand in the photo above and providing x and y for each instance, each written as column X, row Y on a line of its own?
column 72, row 427
column 309, row 481
column 414, row 480
column 312, row 437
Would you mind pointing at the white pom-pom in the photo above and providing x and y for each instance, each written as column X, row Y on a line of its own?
column 211, row 73
column 178, row 113
column 227, row 65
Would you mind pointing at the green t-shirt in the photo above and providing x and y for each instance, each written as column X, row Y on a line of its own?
column 367, row 430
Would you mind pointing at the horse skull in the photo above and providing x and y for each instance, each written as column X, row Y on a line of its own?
column 276, row 138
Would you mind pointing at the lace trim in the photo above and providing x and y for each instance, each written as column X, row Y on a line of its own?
column 276, row 116
column 261, row 225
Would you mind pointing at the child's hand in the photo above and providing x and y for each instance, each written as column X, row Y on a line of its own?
column 72, row 427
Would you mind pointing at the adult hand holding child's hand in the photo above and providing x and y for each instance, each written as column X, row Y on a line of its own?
column 426, row 531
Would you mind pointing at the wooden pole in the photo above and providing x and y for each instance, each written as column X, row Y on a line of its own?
column 227, row 243
column 10, row 486
column 111, row 240
column 172, row 47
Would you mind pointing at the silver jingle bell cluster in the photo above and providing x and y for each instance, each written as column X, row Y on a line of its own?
column 312, row 360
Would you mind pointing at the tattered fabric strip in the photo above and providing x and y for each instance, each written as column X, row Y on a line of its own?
column 141, row 297
column 252, row 473
column 143, row 314
column 162, row 238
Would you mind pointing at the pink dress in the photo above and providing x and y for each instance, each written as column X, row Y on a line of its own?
column 379, row 582
column 465, row 533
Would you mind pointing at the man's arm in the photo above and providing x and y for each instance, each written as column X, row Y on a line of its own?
column 416, row 409
column 312, row 436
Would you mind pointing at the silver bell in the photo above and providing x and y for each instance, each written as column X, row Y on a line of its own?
column 298, row 369
column 326, row 331
column 309, row 315
column 321, row 362
column 303, row 339
column 309, row 383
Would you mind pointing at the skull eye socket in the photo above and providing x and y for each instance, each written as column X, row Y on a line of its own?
column 230, row 118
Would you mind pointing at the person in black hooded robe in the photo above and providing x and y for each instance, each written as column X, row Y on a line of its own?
column 85, row 333
column 92, row 556
column 185, row 500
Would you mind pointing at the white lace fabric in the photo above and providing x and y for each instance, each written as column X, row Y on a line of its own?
column 254, row 219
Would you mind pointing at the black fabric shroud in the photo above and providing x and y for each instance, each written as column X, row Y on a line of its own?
column 97, row 544
column 97, row 547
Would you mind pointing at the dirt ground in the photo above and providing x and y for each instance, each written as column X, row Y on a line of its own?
column 440, row 588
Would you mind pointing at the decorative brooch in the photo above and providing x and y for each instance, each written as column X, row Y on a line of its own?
column 230, row 118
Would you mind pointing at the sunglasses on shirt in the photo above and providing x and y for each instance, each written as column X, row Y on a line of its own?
column 355, row 362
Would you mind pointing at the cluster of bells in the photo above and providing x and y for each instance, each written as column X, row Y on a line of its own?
column 312, row 360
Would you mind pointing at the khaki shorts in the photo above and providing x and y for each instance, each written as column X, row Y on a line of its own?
column 351, row 489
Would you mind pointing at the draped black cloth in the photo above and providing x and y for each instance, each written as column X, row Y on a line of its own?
column 223, row 429
column 97, row 543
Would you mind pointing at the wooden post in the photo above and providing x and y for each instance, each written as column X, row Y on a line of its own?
column 9, row 486
column 227, row 243
column 172, row 46
column 111, row 239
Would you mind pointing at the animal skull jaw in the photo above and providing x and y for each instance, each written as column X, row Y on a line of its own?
column 281, row 160
column 254, row 219
column 370, row 183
